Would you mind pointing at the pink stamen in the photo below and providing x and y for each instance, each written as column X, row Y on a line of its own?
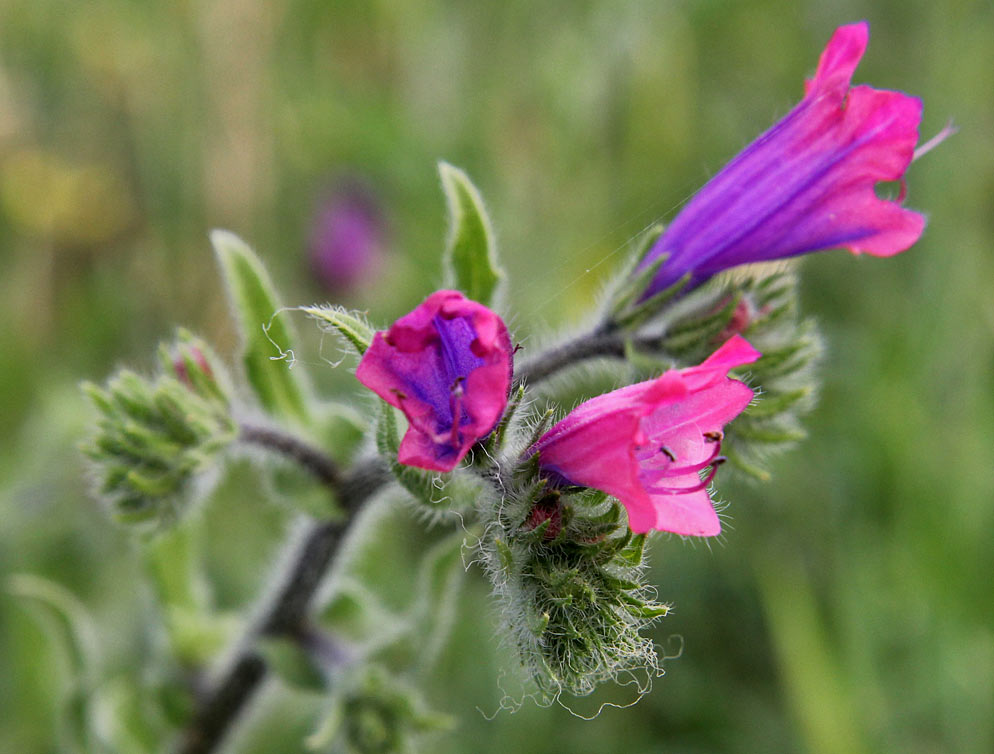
column 675, row 470
column 935, row 141
column 694, row 488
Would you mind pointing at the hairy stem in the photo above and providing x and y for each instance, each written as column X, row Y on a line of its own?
column 595, row 344
column 311, row 459
column 286, row 611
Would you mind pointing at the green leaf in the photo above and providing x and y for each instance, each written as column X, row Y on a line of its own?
column 63, row 616
column 292, row 663
column 470, row 259
column 350, row 325
column 266, row 339
column 439, row 583
column 71, row 629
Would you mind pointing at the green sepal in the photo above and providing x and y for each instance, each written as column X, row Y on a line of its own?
column 645, row 610
column 634, row 281
column 699, row 334
column 126, row 719
column 266, row 337
column 421, row 484
column 197, row 636
column 470, row 258
column 783, row 377
column 505, row 556
column 749, row 467
column 633, row 552
column 193, row 362
column 539, row 429
column 639, row 313
column 350, row 325
column 330, row 726
column 773, row 405
column 783, row 361
column 769, row 434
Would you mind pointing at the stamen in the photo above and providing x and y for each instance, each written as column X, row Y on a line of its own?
column 455, row 406
column 935, row 141
column 668, row 453
column 711, row 459
column 694, row 488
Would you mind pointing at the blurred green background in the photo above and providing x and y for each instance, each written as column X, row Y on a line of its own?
column 848, row 608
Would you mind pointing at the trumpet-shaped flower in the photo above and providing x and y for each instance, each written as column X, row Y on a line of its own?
column 647, row 444
column 447, row 365
column 808, row 183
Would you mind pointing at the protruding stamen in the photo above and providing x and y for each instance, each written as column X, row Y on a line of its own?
column 935, row 141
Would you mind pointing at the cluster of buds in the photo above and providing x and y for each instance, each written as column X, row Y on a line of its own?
column 158, row 439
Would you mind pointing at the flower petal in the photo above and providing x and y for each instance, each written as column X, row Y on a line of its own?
column 808, row 183
column 447, row 365
column 643, row 443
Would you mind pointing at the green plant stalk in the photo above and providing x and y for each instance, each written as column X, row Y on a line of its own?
column 286, row 611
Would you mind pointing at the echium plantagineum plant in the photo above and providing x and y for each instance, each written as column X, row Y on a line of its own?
column 557, row 505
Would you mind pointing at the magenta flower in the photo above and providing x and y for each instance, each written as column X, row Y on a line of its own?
column 647, row 444
column 348, row 237
column 447, row 365
column 807, row 184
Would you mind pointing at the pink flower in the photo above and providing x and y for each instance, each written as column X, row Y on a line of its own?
column 447, row 365
column 647, row 443
column 807, row 184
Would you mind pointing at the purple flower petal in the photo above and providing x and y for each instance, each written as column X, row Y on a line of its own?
column 447, row 365
column 808, row 183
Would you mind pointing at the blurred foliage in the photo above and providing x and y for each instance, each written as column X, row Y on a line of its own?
column 847, row 607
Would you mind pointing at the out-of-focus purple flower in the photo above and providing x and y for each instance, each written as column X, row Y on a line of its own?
column 348, row 238
column 447, row 365
column 808, row 183
column 648, row 443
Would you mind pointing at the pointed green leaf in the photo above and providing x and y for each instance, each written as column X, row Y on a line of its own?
column 349, row 325
column 439, row 584
column 63, row 616
column 267, row 340
column 470, row 259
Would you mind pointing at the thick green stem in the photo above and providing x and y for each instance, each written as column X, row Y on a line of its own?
column 287, row 609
